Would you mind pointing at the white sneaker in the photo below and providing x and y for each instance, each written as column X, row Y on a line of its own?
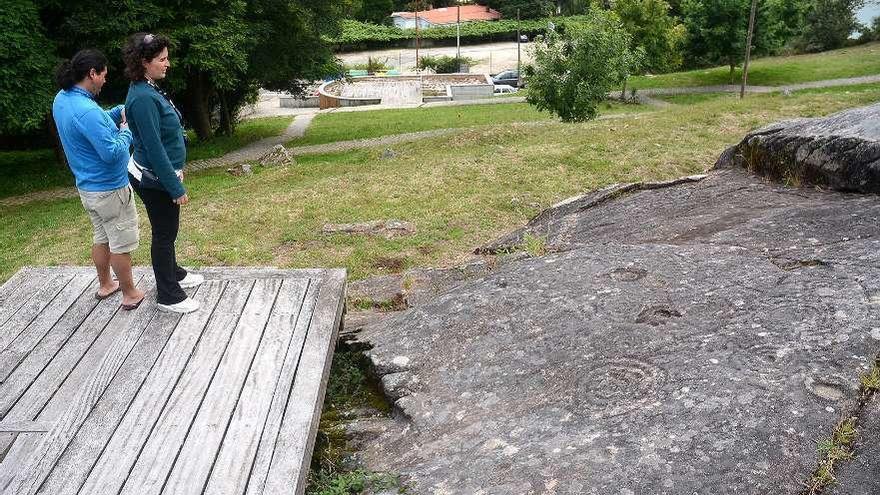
column 191, row 280
column 188, row 305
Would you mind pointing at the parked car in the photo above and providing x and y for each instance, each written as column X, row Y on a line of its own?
column 523, row 38
column 501, row 89
column 508, row 77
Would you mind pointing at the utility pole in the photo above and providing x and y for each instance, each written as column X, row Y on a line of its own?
column 742, row 89
column 458, row 35
column 518, row 59
column 417, row 38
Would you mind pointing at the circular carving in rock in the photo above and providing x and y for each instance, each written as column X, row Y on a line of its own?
column 627, row 274
column 765, row 357
column 612, row 387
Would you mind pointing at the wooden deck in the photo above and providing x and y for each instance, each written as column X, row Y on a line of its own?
column 226, row 400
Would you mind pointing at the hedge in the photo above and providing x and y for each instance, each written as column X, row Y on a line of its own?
column 360, row 35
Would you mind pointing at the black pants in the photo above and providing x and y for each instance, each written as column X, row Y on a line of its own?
column 164, row 216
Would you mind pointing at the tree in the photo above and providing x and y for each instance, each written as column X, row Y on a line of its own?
column 27, row 60
column 528, row 9
column 574, row 71
column 716, row 31
column 829, row 23
column 375, row 11
column 653, row 29
column 223, row 50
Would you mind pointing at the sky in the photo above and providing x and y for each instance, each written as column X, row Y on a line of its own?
column 868, row 12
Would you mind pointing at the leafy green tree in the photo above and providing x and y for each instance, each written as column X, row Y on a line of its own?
column 716, row 31
column 653, row 29
column 572, row 7
column 375, row 11
column 528, row 9
column 224, row 50
column 574, row 71
column 26, row 66
column 829, row 23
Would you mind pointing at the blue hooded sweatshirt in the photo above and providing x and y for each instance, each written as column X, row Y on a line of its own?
column 96, row 150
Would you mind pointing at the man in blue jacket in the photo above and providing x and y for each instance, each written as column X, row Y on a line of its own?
column 96, row 143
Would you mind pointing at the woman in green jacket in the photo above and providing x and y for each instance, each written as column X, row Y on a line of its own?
column 156, row 167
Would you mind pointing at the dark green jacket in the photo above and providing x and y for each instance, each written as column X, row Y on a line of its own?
column 158, row 135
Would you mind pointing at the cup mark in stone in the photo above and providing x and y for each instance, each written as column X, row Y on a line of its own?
column 825, row 389
column 627, row 274
column 611, row 388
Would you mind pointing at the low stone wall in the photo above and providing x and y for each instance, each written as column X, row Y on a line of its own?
column 471, row 92
column 328, row 100
column 294, row 102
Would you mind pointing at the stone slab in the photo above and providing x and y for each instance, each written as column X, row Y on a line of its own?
column 684, row 338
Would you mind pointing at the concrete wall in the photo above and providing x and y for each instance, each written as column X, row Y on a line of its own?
column 471, row 92
column 293, row 102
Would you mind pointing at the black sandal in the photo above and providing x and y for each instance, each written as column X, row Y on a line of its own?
column 99, row 297
column 130, row 307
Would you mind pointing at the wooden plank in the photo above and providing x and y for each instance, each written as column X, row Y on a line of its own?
column 25, row 426
column 46, row 367
column 23, row 397
column 280, row 391
column 196, row 457
column 73, row 402
column 18, row 289
column 32, row 307
column 79, row 290
column 6, row 440
column 296, row 439
column 239, row 445
column 157, row 456
column 111, row 437
column 22, row 445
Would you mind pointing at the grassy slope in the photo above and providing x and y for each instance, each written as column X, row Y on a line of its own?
column 341, row 126
column 26, row 171
column 460, row 190
column 856, row 61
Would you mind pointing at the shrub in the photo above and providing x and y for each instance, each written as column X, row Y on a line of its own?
column 573, row 72
column 444, row 64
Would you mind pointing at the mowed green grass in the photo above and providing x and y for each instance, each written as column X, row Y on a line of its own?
column 692, row 99
column 862, row 60
column 460, row 190
column 22, row 172
column 343, row 126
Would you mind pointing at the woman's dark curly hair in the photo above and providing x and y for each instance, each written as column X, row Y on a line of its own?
column 141, row 47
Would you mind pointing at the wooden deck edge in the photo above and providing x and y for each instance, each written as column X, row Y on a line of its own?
column 337, row 278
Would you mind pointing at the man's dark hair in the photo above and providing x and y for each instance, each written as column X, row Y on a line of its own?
column 70, row 72
column 138, row 48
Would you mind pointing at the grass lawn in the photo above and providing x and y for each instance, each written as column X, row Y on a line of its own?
column 460, row 190
column 342, row 126
column 22, row 172
column 693, row 99
column 856, row 61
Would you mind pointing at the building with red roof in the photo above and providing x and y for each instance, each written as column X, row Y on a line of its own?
column 444, row 16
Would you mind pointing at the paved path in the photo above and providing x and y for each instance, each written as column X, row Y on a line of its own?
column 251, row 152
column 415, row 136
column 304, row 117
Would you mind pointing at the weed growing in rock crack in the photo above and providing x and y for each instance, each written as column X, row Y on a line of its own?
column 396, row 304
column 831, row 451
column 353, row 482
column 352, row 386
column 534, row 245
column 870, row 381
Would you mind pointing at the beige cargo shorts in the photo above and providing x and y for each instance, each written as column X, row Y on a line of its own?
column 114, row 218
